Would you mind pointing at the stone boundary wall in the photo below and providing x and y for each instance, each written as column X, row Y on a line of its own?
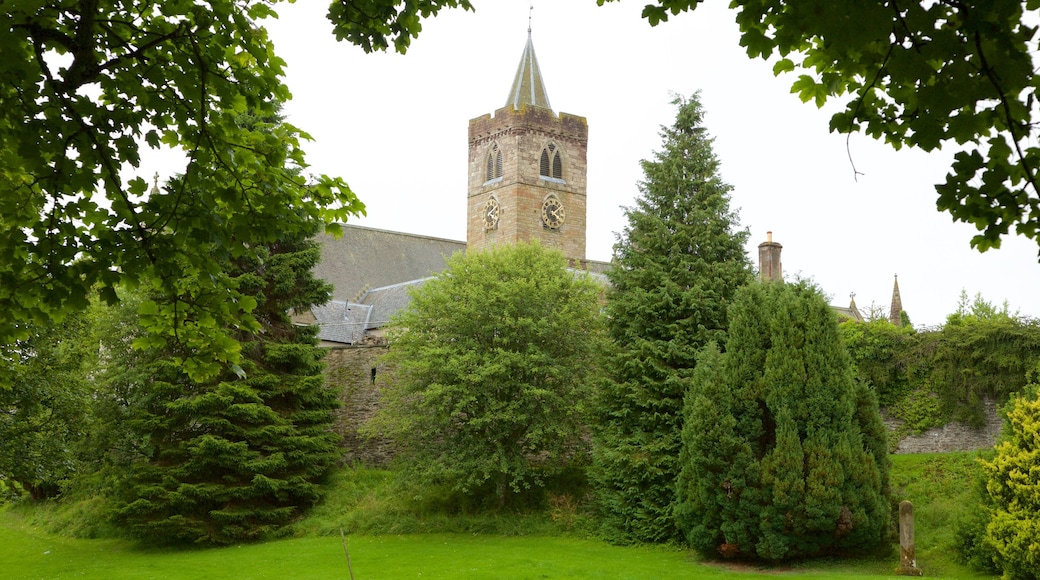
column 954, row 436
column 356, row 370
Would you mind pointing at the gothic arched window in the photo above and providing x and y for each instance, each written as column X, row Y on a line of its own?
column 551, row 164
column 494, row 163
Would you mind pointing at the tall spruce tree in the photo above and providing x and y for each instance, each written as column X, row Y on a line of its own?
column 677, row 265
column 236, row 457
column 784, row 454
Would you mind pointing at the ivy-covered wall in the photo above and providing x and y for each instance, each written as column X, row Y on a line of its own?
column 945, row 382
column 953, row 436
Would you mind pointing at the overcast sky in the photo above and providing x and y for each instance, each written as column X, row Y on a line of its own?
column 395, row 127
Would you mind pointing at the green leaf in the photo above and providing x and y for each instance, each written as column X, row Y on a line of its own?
column 783, row 65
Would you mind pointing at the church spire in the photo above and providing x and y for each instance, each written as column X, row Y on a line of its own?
column 528, row 87
column 894, row 315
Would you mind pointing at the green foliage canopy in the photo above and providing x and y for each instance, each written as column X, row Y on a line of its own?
column 374, row 24
column 85, row 88
column 931, row 376
column 44, row 412
column 882, row 355
column 235, row 457
column 677, row 265
column 784, row 455
column 921, row 74
column 492, row 364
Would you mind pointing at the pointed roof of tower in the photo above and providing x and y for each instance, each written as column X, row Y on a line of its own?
column 528, row 87
column 897, row 304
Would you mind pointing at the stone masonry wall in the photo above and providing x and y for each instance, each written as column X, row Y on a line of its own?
column 953, row 436
column 355, row 370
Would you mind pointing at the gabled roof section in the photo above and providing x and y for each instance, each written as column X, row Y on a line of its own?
column 528, row 87
column 851, row 313
column 343, row 322
column 349, row 322
column 389, row 300
column 365, row 258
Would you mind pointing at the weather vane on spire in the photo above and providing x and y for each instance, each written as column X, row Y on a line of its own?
column 530, row 12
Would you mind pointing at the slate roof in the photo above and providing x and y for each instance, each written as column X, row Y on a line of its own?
column 389, row 300
column 372, row 272
column 851, row 313
column 366, row 258
column 348, row 322
column 340, row 321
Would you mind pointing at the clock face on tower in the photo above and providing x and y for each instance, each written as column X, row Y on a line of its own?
column 491, row 211
column 552, row 212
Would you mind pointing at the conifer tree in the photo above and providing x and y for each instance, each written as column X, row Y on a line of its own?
column 677, row 265
column 784, row 453
column 234, row 458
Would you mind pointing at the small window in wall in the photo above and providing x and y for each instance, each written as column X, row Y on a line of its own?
column 551, row 164
column 373, row 375
column 494, row 163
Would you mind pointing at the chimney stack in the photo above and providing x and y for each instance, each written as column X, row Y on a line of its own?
column 769, row 267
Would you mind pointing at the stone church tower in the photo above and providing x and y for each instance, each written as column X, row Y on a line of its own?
column 527, row 171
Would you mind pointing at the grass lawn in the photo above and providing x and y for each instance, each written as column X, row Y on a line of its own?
column 32, row 555
column 939, row 486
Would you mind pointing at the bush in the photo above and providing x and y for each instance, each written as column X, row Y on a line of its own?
column 930, row 377
column 1013, row 485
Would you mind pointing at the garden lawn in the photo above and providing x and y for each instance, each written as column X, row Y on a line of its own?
column 26, row 554
column 941, row 487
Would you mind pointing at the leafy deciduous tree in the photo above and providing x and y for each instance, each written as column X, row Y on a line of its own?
column 921, row 74
column 784, row 455
column 883, row 356
column 677, row 265
column 374, row 24
column 85, row 87
column 44, row 412
column 492, row 364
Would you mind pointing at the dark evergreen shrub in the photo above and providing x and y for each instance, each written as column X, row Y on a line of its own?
column 784, row 456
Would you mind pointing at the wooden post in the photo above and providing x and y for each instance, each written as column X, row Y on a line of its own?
column 907, row 559
column 343, row 538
